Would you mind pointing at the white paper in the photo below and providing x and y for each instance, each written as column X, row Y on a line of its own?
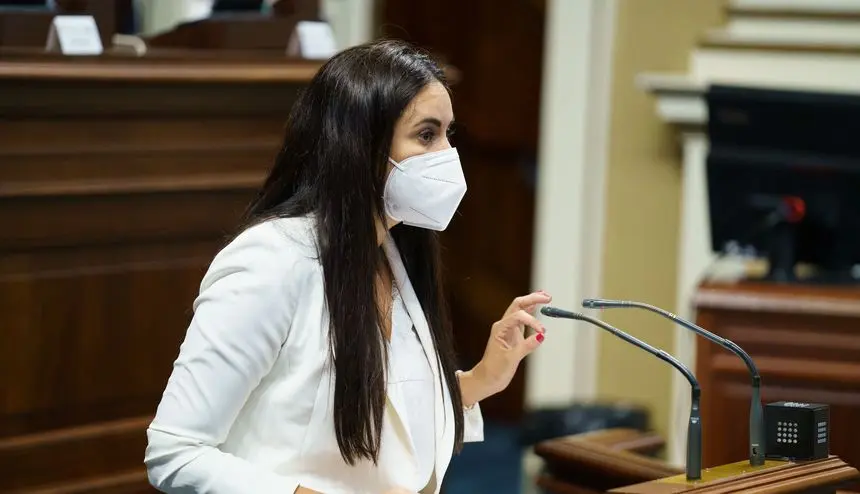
column 75, row 35
column 316, row 40
column 196, row 10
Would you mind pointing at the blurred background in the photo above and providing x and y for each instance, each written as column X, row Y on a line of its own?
column 698, row 155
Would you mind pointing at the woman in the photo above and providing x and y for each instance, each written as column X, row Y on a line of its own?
column 320, row 356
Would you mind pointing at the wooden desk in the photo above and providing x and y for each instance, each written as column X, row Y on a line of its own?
column 594, row 462
column 774, row 477
column 119, row 180
column 613, row 460
column 806, row 343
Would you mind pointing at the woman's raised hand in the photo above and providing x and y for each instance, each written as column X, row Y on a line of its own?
column 508, row 344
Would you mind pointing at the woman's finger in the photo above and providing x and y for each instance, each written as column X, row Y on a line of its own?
column 526, row 319
column 528, row 302
column 530, row 344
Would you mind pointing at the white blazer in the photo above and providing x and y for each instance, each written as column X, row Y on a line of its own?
column 248, row 407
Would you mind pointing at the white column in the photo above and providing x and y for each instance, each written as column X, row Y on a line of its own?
column 570, row 196
column 694, row 258
column 572, row 162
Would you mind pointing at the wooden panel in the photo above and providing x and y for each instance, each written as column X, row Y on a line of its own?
column 94, row 341
column 25, row 30
column 69, row 136
column 176, row 66
column 487, row 255
column 127, row 482
column 593, row 462
column 83, row 452
column 484, row 39
column 488, row 245
column 114, row 196
column 805, row 342
column 30, row 99
column 41, row 221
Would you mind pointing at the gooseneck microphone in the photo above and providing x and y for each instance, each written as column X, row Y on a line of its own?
column 694, row 429
column 756, row 449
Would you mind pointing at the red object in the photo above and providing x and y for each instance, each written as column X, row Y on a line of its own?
column 795, row 209
column 539, row 337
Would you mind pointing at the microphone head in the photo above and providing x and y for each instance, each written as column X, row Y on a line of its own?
column 561, row 313
column 548, row 311
column 602, row 303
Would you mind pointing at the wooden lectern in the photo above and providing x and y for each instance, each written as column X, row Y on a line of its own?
column 806, row 344
column 615, row 460
column 818, row 476
column 594, row 462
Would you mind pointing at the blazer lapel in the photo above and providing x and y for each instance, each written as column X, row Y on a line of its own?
column 396, row 401
column 443, row 414
column 413, row 305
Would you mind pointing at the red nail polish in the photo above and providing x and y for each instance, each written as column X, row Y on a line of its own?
column 539, row 337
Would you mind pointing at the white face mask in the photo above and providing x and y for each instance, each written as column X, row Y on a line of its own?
column 425, row 190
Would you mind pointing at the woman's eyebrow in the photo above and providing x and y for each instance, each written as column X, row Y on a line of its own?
column 429, row 120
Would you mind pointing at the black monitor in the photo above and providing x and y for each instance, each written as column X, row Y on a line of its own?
column 783, row 174
column 27, row 4
column 237, row 6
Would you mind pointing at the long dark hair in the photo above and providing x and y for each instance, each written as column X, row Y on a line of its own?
column 333, row 165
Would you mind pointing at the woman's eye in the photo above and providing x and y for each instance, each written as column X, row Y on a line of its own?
column 427, row 136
